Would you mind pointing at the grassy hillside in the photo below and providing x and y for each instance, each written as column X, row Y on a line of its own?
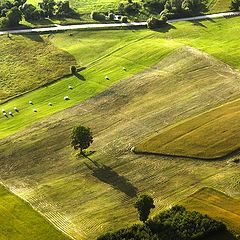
column 213, row 134
column 19, row 221
column 219, row 6
column 43, row 168
column 217, row 205
column 29, row 61
column 105, row 55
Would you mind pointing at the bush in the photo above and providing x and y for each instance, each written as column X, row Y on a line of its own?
column 176, row 223
column 98, row 16
column 124, row 19
column 111, row 16
column 73, row 70
column 235, row 5
column 154, row 23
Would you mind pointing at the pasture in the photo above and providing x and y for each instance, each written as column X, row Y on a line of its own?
column 43, row 168
column 28, row 62
column 173, row 75
column 19, row 221
column 104, row 55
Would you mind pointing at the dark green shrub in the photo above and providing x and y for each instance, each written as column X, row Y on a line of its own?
column 154, row 23
column 98, row 16
column 124, row 19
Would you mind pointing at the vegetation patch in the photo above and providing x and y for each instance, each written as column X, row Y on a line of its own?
column 217, row 205
column 176, row 223
column 19, row 221
column 28, row 62
column 213, row 134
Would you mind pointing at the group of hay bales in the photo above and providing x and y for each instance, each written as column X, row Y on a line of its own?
column 10, row 113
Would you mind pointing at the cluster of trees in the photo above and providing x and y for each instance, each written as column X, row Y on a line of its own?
column 169, row 8
column 12, row 12
column 235, row 5
column 98, row 16
column 176, row 223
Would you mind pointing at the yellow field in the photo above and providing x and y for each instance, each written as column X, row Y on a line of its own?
column 217, row 205
column 210, row 135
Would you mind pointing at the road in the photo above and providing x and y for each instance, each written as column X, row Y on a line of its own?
column 113, row 25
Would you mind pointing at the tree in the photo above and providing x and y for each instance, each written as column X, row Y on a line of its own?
column 81, row 138
column 48, row 7
column 235, row 5
column 13, row 16
column 144, row 204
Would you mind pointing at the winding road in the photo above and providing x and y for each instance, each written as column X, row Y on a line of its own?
column 113, row 25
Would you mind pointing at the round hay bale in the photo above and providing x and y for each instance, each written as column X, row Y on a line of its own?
column 34, row 110
column 15, row 109
column 70, row 87
column 49, row 104
column 3, row 111
column 107, row 78
column 30, row 102
column 66, row 98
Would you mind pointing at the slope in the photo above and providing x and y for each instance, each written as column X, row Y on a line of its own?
column 19, row 221
column 92, row 197
column 28, row 62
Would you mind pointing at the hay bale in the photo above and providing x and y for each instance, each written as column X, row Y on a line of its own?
column 107, row 78
column 15, row 109
column 10, row 113
column 30, row 102
column 124, row 69
column 66, row 98
column 50, row 104
column 3, row 111
column 5, row 114
column 34, row 110
column 70, row 87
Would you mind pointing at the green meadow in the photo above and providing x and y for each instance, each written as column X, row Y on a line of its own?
column 19, row 221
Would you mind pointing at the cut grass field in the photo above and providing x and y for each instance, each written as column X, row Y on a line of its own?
column 106, row 52
column 93, row 197
column 28, row 62
column 166, row 82
column 18, row 221
column 210, row 135
column 216, row 205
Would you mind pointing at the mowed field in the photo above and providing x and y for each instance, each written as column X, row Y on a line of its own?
column 105, row 53
column 43, row 168
column 211, row 135
column 167, row 81
column 19, row 221
column 216, row 205
column 28, row 62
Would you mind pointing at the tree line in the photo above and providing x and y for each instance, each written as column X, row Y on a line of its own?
column 12, row 12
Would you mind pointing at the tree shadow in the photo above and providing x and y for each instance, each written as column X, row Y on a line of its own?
column 79, row 76
column 167, row 27
column 33, row 37
column 198, row 23
column 109, row 176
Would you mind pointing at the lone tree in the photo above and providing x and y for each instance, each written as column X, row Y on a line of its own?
column 144, row 204
column 81, row 138
column 235, row 5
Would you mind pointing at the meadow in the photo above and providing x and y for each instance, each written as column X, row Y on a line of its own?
column 172, row 75
column 28, row 62
column 19, row 221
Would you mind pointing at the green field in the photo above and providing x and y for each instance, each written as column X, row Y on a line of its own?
column 105, row 55
column 172, row 75
column 84, row 6
column 40, row 63
column 216, row 205
column 44, row 169
column 18, row 221
column 209, row 135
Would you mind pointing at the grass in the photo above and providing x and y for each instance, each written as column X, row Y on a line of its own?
column 106, row 52
column 217, row 205
column 43, row 168
column 209, row 135
column 216, row 6
column 28, row 62
column 93, row 83
column 19, row 221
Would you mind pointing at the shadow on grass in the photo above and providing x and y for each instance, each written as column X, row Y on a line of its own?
column 167, row 27
column 109, row 176
column 33, row 37
column 226, row 235
column 79, row 76
column 198, row 23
